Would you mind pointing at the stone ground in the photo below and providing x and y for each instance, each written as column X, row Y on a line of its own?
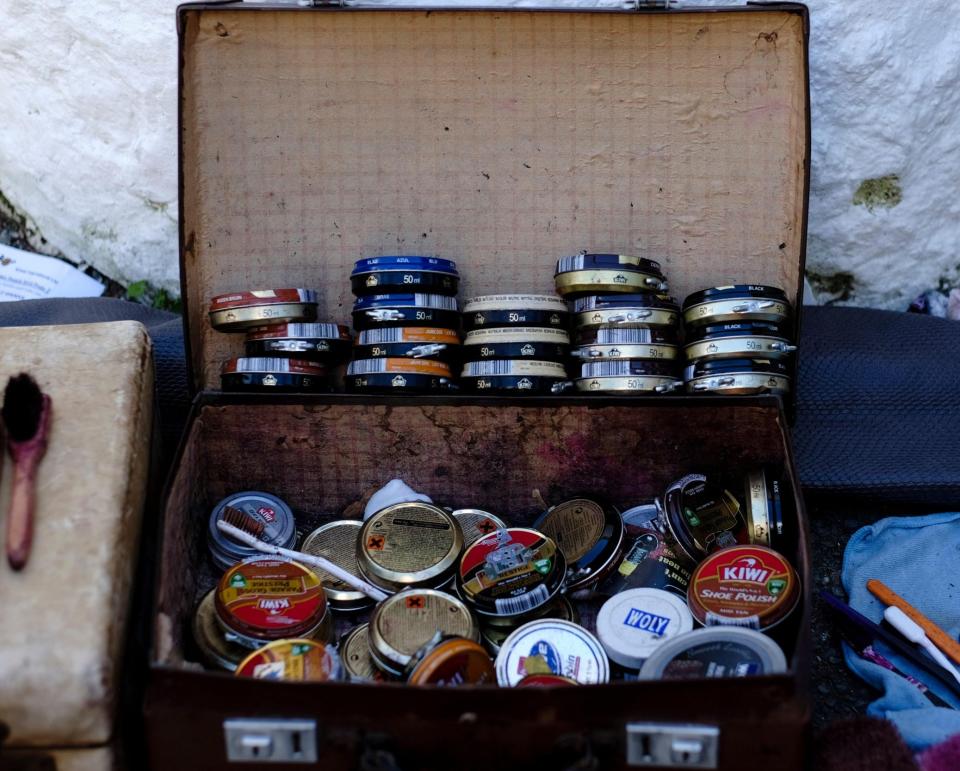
column 836, row 692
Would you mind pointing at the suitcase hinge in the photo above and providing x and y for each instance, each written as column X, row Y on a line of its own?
column 672, row 745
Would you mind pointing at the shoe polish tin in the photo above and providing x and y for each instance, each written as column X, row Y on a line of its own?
column 239, row 311
column 279, row 527
column 551, row 646
column 337, row 542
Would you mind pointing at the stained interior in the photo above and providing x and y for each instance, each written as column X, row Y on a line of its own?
column 500, row 139
column 324, row 455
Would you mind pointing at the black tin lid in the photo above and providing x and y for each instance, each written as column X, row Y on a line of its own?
column 626, row 300
column 437, row 351
column 735, row 292
column 629, row 368
column 399, row 383
column 740, row 329
column 519, row 317
column 556, row 352
column 512, row 384
column 587, row 261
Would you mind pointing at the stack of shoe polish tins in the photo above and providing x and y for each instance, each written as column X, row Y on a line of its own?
column 286, row 350
column 408, row 325
column 516, row 344
column 739, row 340
column 626, row 330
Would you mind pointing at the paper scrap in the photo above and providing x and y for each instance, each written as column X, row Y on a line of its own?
column 29, row 276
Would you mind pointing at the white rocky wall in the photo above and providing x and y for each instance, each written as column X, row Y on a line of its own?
column 88, row 138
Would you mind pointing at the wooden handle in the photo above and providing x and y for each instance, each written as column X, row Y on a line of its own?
column 20, row 517
column 937, row 636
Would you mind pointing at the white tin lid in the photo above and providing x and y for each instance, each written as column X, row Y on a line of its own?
column 633, row 624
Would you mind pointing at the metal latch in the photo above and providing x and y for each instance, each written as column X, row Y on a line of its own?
column 270, row 740
column 676, row 745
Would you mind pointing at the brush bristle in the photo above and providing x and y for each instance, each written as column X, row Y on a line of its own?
column 242, row 521
column 22, row 407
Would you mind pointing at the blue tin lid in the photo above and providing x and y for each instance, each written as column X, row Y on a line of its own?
column 394, row 262
column 417, row 300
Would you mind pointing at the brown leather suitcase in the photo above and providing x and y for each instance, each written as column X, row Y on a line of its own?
column 500, row 138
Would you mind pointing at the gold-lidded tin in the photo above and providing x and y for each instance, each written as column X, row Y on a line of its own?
column 476, row 524
column 741, row 384
column 591, row 352
column 581, row 282
column 628, row 385
column 217, row 650
column 409, row 545
column 736, row 302
column 355, row 655
column 238, row 311
column 337, row 542
column 626, row 318
column 589, row 534
column 402, row 624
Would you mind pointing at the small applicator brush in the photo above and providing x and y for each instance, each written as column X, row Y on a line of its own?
column 26, row 414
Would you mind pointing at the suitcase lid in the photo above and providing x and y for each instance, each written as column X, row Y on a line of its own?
column 500, row 138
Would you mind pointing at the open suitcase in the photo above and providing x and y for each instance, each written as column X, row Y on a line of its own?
column 503, row 139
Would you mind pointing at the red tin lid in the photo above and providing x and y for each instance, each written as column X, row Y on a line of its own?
column 454, row 661
column 298, row 660
column 269, row 598
column 256, row 297
column 247, row 364
column 750, row 586
column 543, row 680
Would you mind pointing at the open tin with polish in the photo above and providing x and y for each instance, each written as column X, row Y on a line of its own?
column 737, row 302
column 383, row 275
column 409, row 545
column 590, row 536
column 402, row 624
column 313, row 342
column 239, row 311
column 738, row 376
column 703, row 516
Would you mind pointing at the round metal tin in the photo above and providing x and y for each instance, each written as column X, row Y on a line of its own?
column 477, row 524
column 651, row 558
column 750, row 586
column 628, row 385
column 514, row 385
column 733, row 367
column 521, row 317
column 273, row 374
column 416, row 335
column 742, row 302
column 217, row 650
column 739, row 329
column 545, row 681
column 633, row 624
column 639, row 352
column 396, row 384
column 588, row 261
column 494, row 629
column 392, row 262
column 355, row 656
column 408, row 545
column 628, row 336
column 738, row 347
column 620, row 301
column 266, row 598
column 498, row 335
column 626, row 318
column 715, row 652
column 509, row 302
column 398, row 366
column 557, row 352
column 382, row 281
column 297, row 660
column 511, row 572
column 551, row 646
column 238, row 311
column 451, row 662
column 703, row 516
column 630, row 368
column 402, row 624
column 514, row 368
column 741, row 385
column 406, row 300
column 589, row 282
column 279, row 526
column 764, row 511
column 431, row 351
column 337, row 542
column 379, row 318
column 590, row 536
column 313, row 342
